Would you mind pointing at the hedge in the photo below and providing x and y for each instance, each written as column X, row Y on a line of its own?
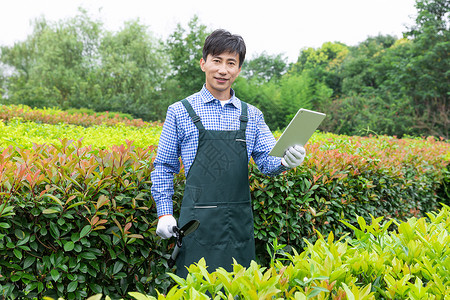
column 409, row 262
column 77, row 221
column 24, row 134
column 79, row 117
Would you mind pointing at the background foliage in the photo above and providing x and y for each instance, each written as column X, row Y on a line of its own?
column 383, row 85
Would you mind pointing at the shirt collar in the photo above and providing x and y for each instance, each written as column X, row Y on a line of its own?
column 208, row 97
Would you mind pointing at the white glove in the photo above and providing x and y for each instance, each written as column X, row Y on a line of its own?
column 165, row 226
column 294, row 156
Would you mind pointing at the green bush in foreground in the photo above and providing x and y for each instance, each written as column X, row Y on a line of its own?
column 410, row 262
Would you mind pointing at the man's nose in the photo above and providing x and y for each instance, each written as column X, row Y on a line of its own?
column 222, row 69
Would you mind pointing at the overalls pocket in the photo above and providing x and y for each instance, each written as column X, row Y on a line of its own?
column 241, row 222
column 213, row 231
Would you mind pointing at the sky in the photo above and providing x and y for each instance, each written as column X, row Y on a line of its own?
column 274, row 27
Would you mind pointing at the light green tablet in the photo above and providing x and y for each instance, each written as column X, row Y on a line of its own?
column 299, row 130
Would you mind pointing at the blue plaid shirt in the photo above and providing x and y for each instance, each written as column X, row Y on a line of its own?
column 179, row 137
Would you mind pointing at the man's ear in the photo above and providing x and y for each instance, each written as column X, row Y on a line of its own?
column 202, row 64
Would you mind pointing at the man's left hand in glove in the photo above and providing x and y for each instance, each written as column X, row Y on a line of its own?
column 294, row 156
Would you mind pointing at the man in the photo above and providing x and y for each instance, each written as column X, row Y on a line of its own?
column 215, row 134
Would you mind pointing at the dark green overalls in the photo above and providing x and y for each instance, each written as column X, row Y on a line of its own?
column 217, row 194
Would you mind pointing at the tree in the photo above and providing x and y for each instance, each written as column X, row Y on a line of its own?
column 132, row 70
column 185, row 51
column 265, row 97
column 363, row 69
column 324, row 64
column 264, row 67
column 422, row 67
column 75, row 63
column 51, row 61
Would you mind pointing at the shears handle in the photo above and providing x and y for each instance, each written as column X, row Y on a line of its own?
column 176, row 250
column 173, row 257
column 188, row 228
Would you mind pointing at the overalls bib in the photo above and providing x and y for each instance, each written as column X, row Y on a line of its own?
column 217, row 194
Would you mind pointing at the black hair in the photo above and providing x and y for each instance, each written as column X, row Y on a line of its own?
column 221, row 41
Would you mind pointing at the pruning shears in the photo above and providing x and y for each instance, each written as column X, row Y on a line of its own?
column 188, row 228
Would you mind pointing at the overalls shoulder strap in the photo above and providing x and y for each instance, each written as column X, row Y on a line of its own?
column 195, row 118
column 243, row 118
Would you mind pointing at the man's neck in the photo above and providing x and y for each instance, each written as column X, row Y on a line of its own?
column 220, row 95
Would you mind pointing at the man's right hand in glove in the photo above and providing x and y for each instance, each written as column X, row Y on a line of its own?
column 165, row 226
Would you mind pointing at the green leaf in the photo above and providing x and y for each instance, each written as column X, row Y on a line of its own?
column 60, row 287
column 46, row 262
column 98, row 296
column 35, row 212
column 83, row 268
column 17, row 253
column 54, row 230
column 75, row 237
column 95, row 288
column 72, row 286
column 106, row 239
column 19, row 234
column 112, row 253
column 138, row 296
column 15, row 278
column 48, row 211
column 313, row 293
column 277, row 210
column 25, row 238
column 69, row 246
column 65, row 268
column 5, row 225
column 86, row 229
column 53, row 198
column 6, row 210
column 43, row 231
column 87, row 255
column 117, row 267
column 55, row 274
column 350, row 295
column 145, row 251
column 31, row 286
column 28, row 261
column 120, row 275
column 76, row 204
column 92, row 272
column 72, row 262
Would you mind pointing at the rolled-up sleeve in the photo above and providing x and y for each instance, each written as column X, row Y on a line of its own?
column 166, row 164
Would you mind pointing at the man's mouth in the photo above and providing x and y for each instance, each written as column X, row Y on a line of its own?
column 221, row 80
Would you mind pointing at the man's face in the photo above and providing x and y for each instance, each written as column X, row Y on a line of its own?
column 221, row 71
